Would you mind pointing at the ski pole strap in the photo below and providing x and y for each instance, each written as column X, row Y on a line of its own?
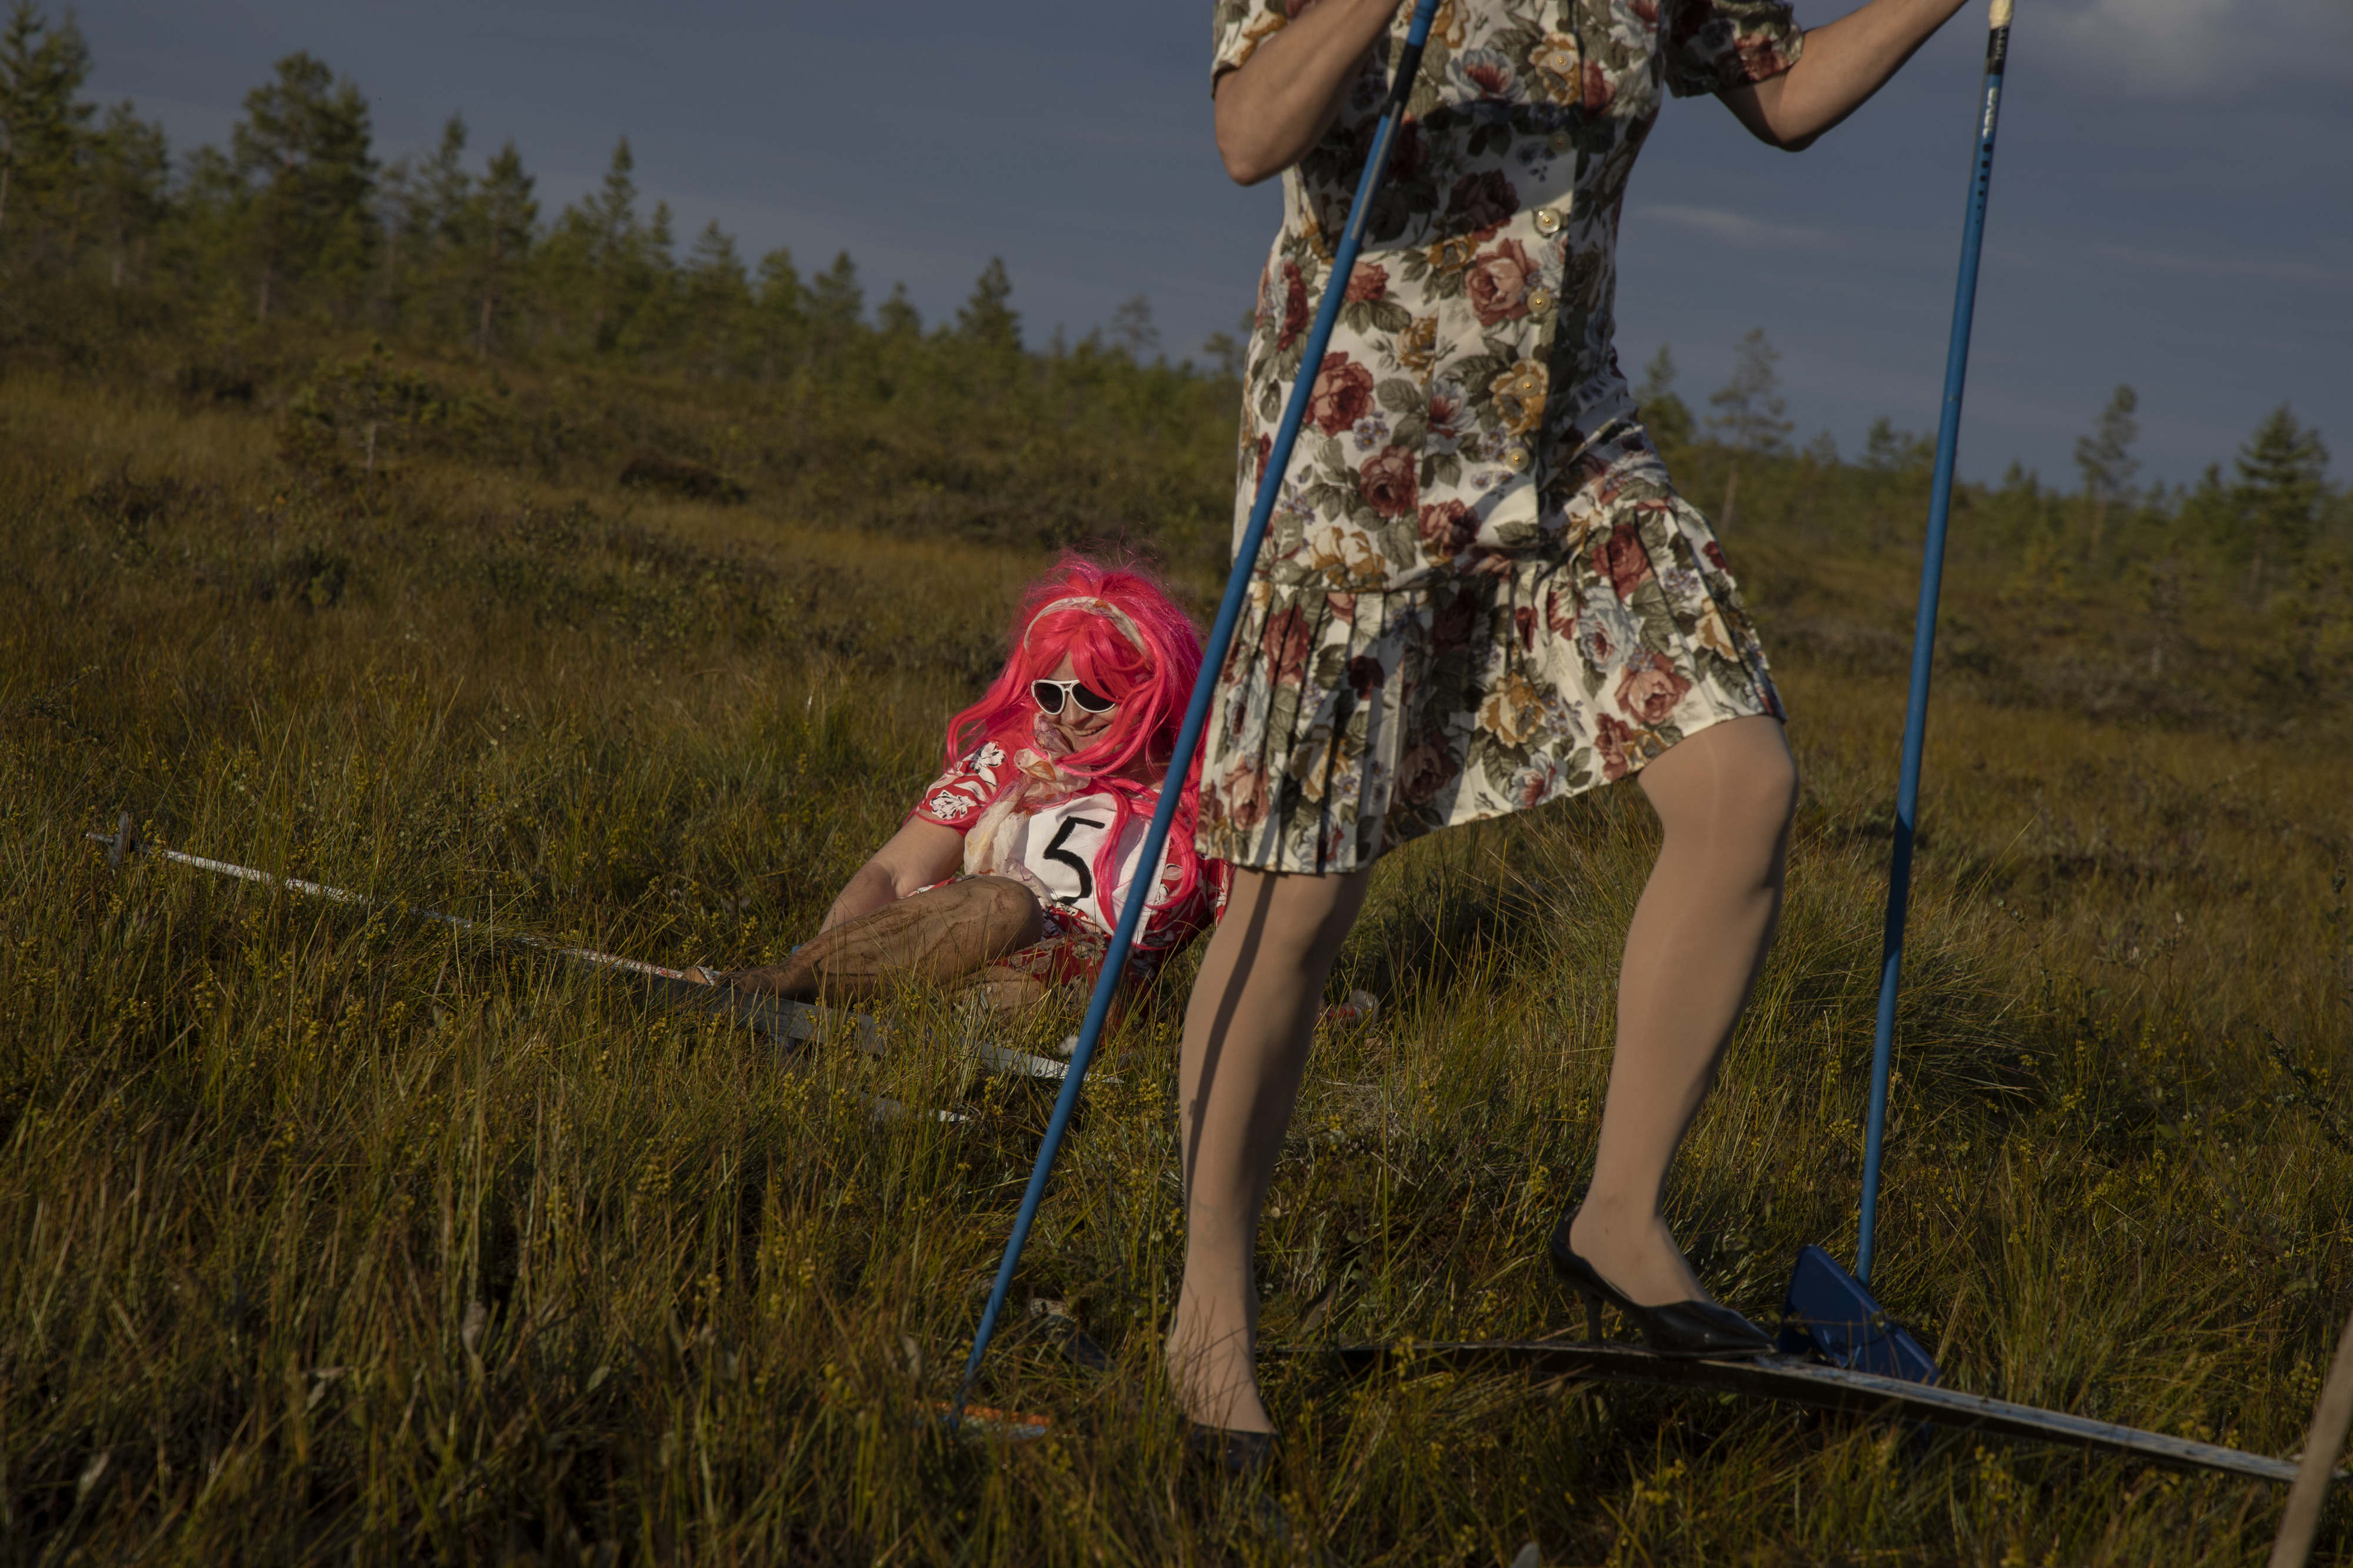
column 1213, row 660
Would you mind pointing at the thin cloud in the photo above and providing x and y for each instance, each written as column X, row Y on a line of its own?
column 2198, row 47
column 1739, row 229
column 2249, row 266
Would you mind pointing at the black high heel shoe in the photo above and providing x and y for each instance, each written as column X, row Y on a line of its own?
column 1697, row 1330
column 1243, row 1456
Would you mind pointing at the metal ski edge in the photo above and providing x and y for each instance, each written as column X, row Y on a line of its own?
column 770, row 1016
column 773, row 1016
column 783, row 1020
column 1797, row 1381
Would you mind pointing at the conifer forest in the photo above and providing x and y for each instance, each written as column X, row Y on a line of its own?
column 363, row 519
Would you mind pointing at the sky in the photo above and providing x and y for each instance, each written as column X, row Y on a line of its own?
column 2172, row 202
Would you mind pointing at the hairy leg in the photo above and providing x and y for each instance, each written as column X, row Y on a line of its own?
column 1247, row 1031
column 1725, row 798
column 936, row 936
column 1001, row 990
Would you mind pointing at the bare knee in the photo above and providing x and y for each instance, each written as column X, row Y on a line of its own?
column 1009, row 911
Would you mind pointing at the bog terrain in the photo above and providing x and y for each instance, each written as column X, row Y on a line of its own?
column 329, row 1234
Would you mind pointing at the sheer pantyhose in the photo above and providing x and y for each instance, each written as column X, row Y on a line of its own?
column 938, row 937
column 1698, row 937
column 1699, row 934
column 1247, row 1029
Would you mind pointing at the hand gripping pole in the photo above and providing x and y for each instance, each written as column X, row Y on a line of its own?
column 1213, row 660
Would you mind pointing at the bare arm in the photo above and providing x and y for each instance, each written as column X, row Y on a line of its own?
column 918, row 855
column 1843, row 63
column 1272, row 109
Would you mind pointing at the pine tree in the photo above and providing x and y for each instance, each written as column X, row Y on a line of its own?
column 837, row 307
column 610, row 216
column 427, row 215
column 305, row 156
column 129, row 176
column 208, row 219
column 2106, row 459
column 1887, row 450
column 985, row 318
column 43, row 132
column 448, row 192
column 1226, row 354
column 1667, row 417
column 401, row 220
column 506, row 219
column 598, row 257
column 1753, row 419
column 718, row 299
column 1131, row 330
column 448, row 187
column 780, row 311
column 2282, row 480
column 653, row 313
column 897, row 316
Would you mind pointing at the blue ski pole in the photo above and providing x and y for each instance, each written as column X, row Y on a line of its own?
column 1213, row 660
column 1924, row 634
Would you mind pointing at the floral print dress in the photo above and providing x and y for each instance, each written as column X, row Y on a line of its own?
column 1478, row 590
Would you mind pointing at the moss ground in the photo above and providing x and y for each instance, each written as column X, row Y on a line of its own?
column 325, row 1235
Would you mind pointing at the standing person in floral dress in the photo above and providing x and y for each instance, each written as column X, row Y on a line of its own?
column 1480, row 591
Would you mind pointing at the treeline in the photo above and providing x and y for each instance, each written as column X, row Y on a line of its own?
column 2264, row 523
column 386, row 311
column 297, row 234
column 298, row 222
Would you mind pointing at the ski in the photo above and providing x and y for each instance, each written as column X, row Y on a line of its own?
column 1793, row 1380
column 774, row 1017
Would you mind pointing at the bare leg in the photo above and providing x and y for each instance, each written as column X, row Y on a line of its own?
column 1699, row 936
column 1001, row 990
column 936, row 936
column 1247, row 1031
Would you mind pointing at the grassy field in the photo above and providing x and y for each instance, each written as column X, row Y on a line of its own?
column 325, row 1235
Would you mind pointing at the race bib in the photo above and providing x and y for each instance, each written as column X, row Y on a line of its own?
column 1061, row 846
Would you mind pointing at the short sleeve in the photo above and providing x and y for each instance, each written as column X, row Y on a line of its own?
column 954, row 799
column 1242, row 26
column 1712, row 44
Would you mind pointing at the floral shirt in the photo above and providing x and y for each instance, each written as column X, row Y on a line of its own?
column 1472, row 367
column 1022, row 820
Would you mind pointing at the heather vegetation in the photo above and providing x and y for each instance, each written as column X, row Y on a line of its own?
column 360, row 521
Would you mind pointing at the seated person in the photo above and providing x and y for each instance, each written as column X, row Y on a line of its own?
column 1008, row 877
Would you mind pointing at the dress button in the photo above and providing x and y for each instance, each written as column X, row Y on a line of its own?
column 1548, row 221
column 1517, row 459
column 1558, row 143
column 1539, row 300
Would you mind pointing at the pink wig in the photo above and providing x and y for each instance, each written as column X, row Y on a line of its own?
column 1127, row 639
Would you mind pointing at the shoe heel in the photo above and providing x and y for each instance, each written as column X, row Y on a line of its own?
column 1572, row 1272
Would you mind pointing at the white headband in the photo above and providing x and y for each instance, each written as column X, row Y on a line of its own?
column 1092, row 606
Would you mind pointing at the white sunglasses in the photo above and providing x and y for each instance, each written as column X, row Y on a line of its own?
column 1049, row 696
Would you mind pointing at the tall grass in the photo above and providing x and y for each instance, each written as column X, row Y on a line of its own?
column 324, row 1235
